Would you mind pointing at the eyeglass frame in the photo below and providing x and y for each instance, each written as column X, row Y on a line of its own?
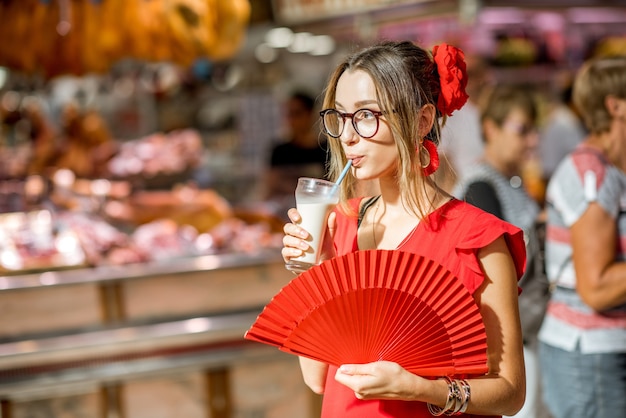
column 521, row 129
column 377, row 114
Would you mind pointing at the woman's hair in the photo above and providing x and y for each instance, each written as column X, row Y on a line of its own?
column 501, row 100
column 597, row 79
column 406, row 79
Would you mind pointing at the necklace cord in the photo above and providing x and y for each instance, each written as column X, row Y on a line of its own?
column 374, row 224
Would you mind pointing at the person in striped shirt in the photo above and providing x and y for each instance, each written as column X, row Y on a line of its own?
column 583, row 335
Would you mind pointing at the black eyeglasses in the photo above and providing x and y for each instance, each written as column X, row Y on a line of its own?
column 364, row 121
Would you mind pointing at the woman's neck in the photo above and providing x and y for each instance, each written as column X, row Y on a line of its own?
column 397, row 204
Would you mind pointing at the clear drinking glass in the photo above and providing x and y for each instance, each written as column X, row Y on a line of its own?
column 315, row 199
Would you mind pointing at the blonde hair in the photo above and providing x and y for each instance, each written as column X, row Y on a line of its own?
column 597, row 79
column 406, row 79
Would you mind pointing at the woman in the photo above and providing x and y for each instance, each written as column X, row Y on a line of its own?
column 508, row 120
column 583, row 337
column 383, row 109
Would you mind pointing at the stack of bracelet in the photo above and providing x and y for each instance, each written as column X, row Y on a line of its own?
column 458, row 398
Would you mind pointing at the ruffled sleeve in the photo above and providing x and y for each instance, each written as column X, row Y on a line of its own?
column 485, row 231
column 462, row 230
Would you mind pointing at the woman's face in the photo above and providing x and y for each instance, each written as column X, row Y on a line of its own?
column 373, row 157
column 514, row 140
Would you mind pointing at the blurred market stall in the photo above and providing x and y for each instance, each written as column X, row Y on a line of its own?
column 54, row 37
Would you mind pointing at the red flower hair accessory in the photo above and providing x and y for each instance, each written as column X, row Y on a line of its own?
column 450, row 62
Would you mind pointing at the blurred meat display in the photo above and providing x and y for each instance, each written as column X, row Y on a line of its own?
column 97, row 237
column 30, row 241
column 184, row 204
column 101, row 222
column 158, row 153
column 84, row 36
column 86, row 143
column 107, row 201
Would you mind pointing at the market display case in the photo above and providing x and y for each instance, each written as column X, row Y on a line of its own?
column 124, row 300
column 126, row 287
column 142, row 340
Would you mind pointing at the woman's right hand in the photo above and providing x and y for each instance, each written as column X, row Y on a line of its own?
column 294, row 244
column 295, row 239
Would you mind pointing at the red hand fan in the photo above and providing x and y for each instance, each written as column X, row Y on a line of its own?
column 378, row 305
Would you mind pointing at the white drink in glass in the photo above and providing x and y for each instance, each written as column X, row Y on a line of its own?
column 315, row 199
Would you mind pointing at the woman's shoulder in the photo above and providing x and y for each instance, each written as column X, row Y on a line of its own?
column 585, row 176
column 468, row 227
column 460, row 216
column 457, row 231
column 460, row 212
column 583, row 159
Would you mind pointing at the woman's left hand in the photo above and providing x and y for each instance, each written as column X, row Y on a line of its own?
column 379, row 380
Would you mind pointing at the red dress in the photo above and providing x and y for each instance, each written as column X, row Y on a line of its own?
column 451, row 236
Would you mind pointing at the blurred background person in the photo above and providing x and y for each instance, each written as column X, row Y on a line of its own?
column 562, row 131
column 461, row 137
column 301, row 154
column 583, row 337
column 494, row 184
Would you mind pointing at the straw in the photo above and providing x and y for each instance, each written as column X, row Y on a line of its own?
column 341, row 176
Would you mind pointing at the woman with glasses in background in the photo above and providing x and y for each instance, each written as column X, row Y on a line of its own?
column 508, row 117
column 384, row 108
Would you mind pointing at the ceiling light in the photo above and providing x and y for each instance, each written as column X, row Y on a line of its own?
column 279, row 37
column 302, row 42
column 323, row 45
column 265, row 53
